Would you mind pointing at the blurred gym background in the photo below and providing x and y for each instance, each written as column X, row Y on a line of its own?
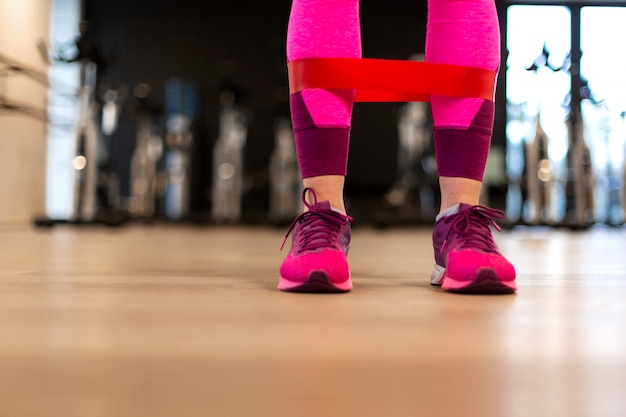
column 118, row 112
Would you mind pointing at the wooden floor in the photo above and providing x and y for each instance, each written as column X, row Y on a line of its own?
column 181, row 321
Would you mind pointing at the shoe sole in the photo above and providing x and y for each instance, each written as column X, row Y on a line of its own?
column 486, row 281
column 316, row 282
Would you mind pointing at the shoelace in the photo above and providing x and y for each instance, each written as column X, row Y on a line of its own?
column 319, row 227
column 471, row 224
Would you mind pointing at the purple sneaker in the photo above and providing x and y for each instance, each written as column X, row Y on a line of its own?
column 317, row 259
column 467, row 258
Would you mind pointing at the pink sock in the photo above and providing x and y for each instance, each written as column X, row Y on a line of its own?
column 463, row 32
column 322, row 118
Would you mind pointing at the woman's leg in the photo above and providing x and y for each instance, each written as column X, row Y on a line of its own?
column 465, row 32
column 462, row 32
column 317, row 260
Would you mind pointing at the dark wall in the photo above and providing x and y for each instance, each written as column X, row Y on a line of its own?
column 199, row 40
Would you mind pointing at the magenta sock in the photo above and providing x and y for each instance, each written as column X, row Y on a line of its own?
column 322, row 118
column 463, row 32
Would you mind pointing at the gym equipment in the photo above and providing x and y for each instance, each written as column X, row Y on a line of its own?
column 147, row 153
column 581, row 181
column 108, row 195
column 88, row 148
column 228, row 160
column 608, row 164
column 182, row 108
column 548, row 160
column 284, row 175
column 517, row 130
column 546, row 165
column 96, row 185
column 580, row 202
column 539, row 177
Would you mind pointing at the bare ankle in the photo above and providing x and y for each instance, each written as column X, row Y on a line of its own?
column 327, row 188
column 455, row 190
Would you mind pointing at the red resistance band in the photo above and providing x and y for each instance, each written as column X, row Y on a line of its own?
column 384, row 80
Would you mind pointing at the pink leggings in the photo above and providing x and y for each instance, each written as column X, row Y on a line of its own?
column 461, row 32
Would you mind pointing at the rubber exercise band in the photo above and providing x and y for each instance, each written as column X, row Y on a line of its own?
column 385, row 80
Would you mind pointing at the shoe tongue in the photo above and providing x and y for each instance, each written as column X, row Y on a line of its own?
column 322, row 205
column 456, row 209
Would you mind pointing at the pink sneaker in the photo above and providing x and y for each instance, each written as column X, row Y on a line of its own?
column 467, row 258
column 317, row 261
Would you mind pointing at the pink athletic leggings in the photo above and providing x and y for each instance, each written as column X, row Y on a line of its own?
column 461, row 32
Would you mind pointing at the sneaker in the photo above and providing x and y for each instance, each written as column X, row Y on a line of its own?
column 467, row 258
column 317, row 261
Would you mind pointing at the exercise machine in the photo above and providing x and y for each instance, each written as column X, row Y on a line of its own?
column 228, row 160
column 182, row 108
column 285, row 184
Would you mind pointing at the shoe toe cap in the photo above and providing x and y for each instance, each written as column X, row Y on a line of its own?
column 466, row 264
column 333, row 263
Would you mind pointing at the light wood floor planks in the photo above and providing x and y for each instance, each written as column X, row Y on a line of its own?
column 182, row 321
